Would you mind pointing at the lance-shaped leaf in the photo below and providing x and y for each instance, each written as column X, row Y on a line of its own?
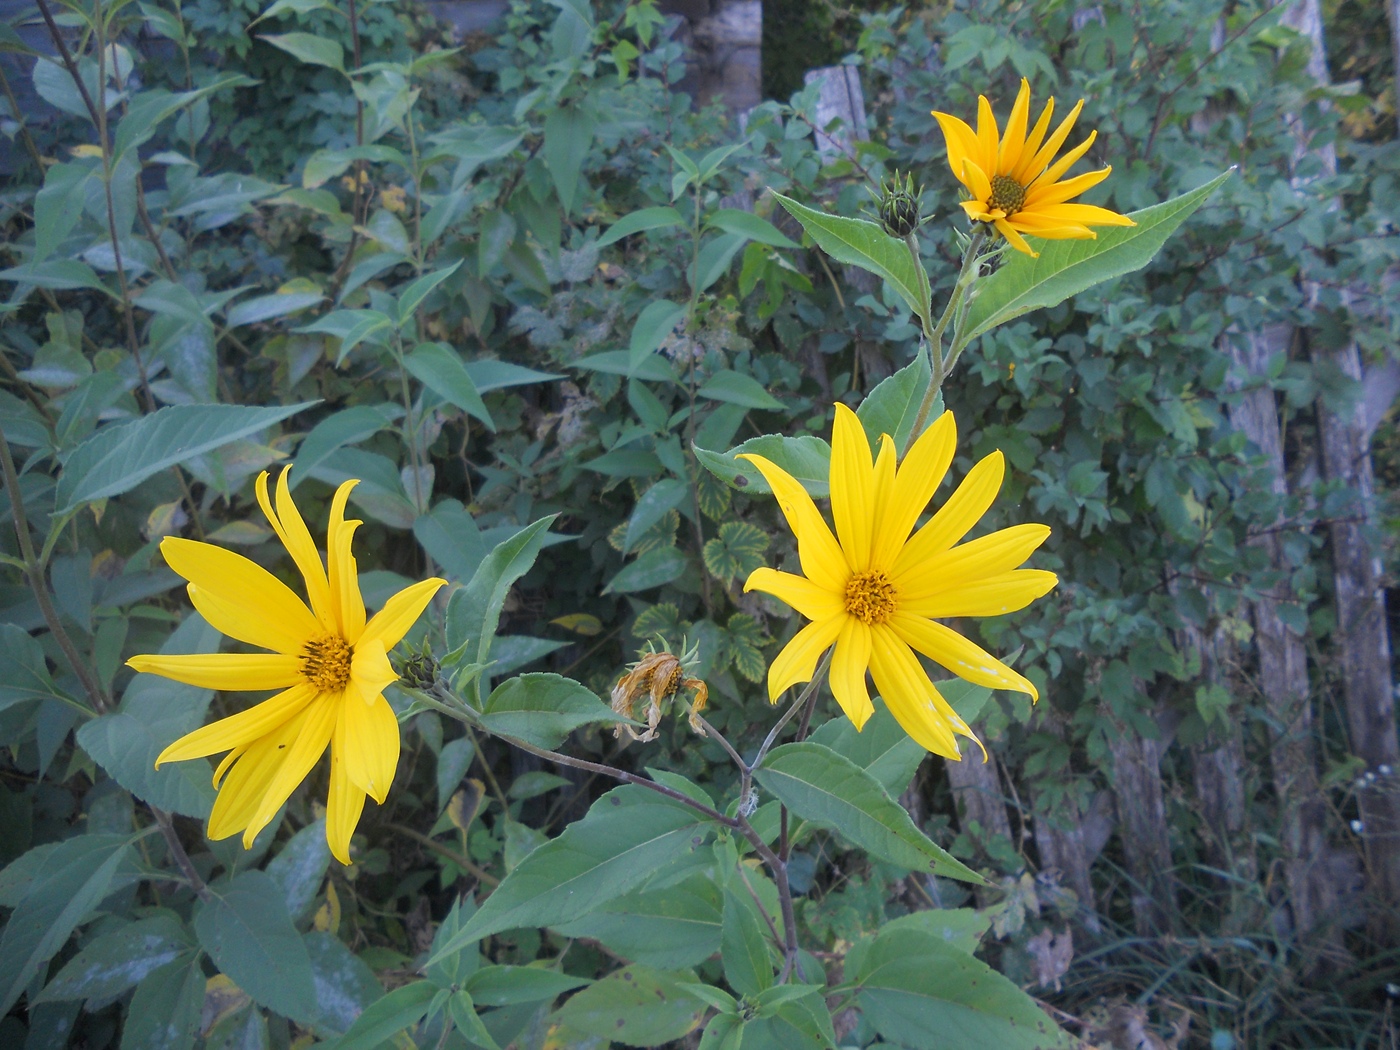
column 829, row 789
column 543, row 708
column 1066, row 268
column 860, row 242
column 626, row 836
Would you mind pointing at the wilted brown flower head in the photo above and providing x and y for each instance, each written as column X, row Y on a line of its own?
column 658, row 676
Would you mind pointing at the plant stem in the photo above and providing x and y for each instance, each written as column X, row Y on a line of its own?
column 33, row 569
column 939, row 366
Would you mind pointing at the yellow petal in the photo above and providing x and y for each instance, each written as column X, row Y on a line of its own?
column 1052, row 174
column 823, row 561
column 882, row 502
column 960, row 139
column 1017, row 241
column 801, row 593
column 370, row 670
column 400, row 612
column 367, row 740
column 292, row 531
column 799, row 657
column 344, row 804
column 848, row 665
column 953, row 520
column 964, row 658
column 919, row 476
column 297, row 761
column 986, row 156
column 1024, row 172
column 228, row 671
column 852, row 488
column 990, row 596
column 909, row 694
column 245, row 727
column 347, row 606
column 1063, row 191
column 976, row 211
column 1086, row 214
column 224, row 763
column 248, row 779
column 978, row 181
column 980, row 559
column 256, row 607
column 1014, row 140
column 1047, row 152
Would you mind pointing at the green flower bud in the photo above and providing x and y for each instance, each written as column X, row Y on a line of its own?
column 899, row 206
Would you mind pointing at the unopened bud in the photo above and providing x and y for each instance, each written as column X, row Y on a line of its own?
column 420, row 670
column 899, row 206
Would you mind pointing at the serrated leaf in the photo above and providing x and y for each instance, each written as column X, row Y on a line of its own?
column 662, row 497
column 736, row 551
column 830, row 790
column 1065, row 268
column 713, row 495
column 118, row 457
column 475, row 610
column 893, row 405
column 442, row 371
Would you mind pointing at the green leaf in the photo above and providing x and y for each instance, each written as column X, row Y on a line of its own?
column 165, row 1011
column 882, row 748
column 267, row 307
column 713, row 262
column 655, row 568
column 248, row 934
column 807, row 459
column 59, row 205
column 893, row 405
column 637, row 221
column 1065, row 268
column 57, row 274
column 345, row 986
column 749, row 225
column 748, row 964
column 114, row 962
column 441, row 370
column 634, row 1006
column 543, row 709
column 860, row 242
column 830, row 790
column 24, row 673
column 653, row 325
column 491, row 375
column 738, row 389
column 568, row 132
column 627, row 834
column 326, row 164
column 351, row 327
column 385, row 1018
column 962, row 928
column 307, row 47
column 300, row 867
column 923, row 992
column 67, row 885
column 118, row 457
column 666, row 494
column 475, row 610
column 736, row 551
column 347, row 427
column 669, row 929
column 412, row 296
column 463, row 1013
column 617, row 362
column 508, row 985
column 148, row 109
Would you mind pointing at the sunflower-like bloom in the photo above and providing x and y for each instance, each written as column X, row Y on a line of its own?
column 1013, row 183
column 876, row 592
column 329, row 663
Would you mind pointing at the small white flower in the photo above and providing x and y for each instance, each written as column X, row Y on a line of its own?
column 1357, row 827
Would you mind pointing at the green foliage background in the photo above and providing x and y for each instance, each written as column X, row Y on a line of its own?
column 478, row 312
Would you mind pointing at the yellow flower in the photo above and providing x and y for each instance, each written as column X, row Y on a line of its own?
column 876, row 592
column 329, row 663
column 1013, row 184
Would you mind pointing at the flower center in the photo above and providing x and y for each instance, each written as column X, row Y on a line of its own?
column 870, row 597
column 325, row 662
column 1007, row 194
